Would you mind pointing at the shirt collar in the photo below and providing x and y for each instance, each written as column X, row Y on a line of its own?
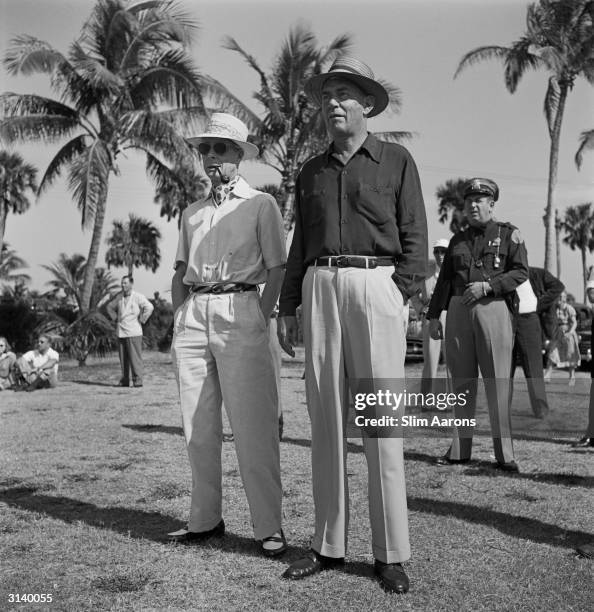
column 243, row 190
column 371, row 145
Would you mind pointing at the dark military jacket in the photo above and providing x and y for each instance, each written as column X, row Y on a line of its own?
column 494, row 253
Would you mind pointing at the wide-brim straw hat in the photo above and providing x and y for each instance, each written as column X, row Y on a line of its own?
column 223, row 125
column 352, row 69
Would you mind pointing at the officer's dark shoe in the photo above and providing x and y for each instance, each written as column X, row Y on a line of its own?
column 585, row 550
column 508, row 466
column 583, row 443
column 391, row 577
column 445, row 460
column 124, row 383
column 193, row 537
column 311, row 564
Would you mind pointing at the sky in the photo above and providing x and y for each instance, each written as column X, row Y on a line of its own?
column 470, row 126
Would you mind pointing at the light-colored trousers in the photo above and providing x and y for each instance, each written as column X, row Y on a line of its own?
column 354, row 324
column 431, row 352
column 481, row 336
column 221, row 352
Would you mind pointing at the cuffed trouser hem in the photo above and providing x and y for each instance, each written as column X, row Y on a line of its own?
column 335, row 552
column 391, row 556
column 266, row 530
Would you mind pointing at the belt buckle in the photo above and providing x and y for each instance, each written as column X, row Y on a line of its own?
column 217, row 289
column 342, row 261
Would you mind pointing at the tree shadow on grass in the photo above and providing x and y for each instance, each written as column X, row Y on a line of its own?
column 148, row 428
column 93, row 383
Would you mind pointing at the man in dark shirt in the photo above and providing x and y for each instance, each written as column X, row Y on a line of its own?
column 537, row 297
column 359, row 252
column 482, row 268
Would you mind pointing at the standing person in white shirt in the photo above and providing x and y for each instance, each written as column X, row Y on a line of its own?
column 131, row 310
column 39, row 367
column 432, row 348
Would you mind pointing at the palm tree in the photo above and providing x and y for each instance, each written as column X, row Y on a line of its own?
column 18, row 182
column 11, row 266
column 558, row 38
column 292, row 129
column 450, row 197
column 578, row 225
column 176, row 188
column 129, row 61
column 586, row 143
column 134, row 244
column 69, row 274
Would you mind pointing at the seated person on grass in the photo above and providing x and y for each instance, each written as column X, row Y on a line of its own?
column 39, row 367
column 7, row 361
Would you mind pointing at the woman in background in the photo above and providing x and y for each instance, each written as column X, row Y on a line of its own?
column 566, row 351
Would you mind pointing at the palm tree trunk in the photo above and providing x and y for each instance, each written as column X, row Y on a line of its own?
column 553, row 165
column 584, row 275
column 558, row 241
column 3, row 215
column 89, row 279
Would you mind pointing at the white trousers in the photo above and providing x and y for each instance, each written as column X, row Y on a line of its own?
column 354, row 324
column 221, row 353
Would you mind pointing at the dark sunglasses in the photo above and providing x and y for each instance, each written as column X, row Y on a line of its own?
column 220, row 148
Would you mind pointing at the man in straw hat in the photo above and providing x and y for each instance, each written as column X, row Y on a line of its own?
column 359, row 252
column 228, row 244
column 483, row 266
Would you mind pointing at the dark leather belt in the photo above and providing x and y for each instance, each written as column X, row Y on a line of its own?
column 223, row 288
column 353, row 261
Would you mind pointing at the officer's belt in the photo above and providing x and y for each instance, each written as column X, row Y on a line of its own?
column 353, row 261
column 223, row 288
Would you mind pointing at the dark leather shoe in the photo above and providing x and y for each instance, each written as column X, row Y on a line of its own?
column 191, row 537
column 509, row 466
column 311, row 564
column 391, row 577
column 445, row 460
column 275, row 552
column 583, row 443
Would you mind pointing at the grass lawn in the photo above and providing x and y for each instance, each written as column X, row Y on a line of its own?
column 93, row 477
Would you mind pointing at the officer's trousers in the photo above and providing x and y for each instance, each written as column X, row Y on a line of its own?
column 221, row 352
column 481, row 336
column 354, row 324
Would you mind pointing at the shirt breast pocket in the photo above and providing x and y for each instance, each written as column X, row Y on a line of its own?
column 460, row 258
column 375, row 202
column 313, row 207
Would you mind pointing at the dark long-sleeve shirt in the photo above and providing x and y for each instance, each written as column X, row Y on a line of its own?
column 372, row 205
column 494, row 253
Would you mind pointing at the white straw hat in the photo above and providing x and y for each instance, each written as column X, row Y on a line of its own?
column 223, row 125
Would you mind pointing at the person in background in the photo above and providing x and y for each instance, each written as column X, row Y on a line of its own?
column 38, row 368
column 432, row 349
column 7, row 362
column 565, row 350
column 536, row 297
column 482, row 268
column 130, row 310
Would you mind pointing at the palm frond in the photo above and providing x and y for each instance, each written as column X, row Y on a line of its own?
column 394, row 95
column 171, row 79
column 341, row 45
column 521, row 57
column 586, row 144
column 481, row 54
column 62, row 158
column 19, row 105
column 45, row 128
column 88, row 179
column 395, row 136
column 29, row 55
column 96, row 75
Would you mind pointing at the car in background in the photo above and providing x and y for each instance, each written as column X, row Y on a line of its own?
column 414, row 336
